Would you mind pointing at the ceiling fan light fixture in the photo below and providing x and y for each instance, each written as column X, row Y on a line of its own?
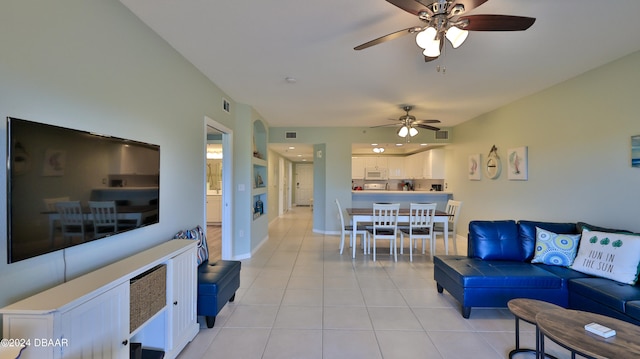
column 433, row 50
column 456, row 36
column 412, row 131
column 425, row 37
column 403, row 131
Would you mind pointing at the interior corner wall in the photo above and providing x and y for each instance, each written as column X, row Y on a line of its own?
column 579, row 153
column 93, row 65
column 319, row 185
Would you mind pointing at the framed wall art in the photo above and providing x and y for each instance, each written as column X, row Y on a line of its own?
column 475, row 174
column 54, row 162
column 518, row 164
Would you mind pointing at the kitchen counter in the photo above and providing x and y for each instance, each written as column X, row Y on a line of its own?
column 367, row 198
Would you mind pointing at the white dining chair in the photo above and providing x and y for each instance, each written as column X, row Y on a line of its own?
column 420, row 227
column 72, row 219
column 346, row 228
column 385, row 226
column 50, row 203
column 453, row 210
column 50, row 206
column 104, row 216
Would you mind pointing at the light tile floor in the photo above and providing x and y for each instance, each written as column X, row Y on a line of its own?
column 299, row 298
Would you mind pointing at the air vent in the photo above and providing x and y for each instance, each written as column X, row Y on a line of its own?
column 226, row 106
column 290, row 135
column 442, row 135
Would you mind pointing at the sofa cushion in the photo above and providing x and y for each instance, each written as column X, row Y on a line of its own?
column 563, row 272
column 609, row 255
column 495, row 240
column 527, row 233
column 633, row 309
column 555, row 249
column 582, row 226
column 605, row 292
column 473, row 272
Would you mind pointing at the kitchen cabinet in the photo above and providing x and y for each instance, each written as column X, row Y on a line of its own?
column 434, row 166
column 377, row 162
column 426, row 165
column 357, row 168
column 414, row 166
column 396, row 167
column 214, row 208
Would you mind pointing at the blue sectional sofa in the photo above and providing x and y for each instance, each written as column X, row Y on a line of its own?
column 498, row 268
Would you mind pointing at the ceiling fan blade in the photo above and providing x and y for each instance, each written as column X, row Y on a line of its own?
column 497, row 22
column 410, row 6
column 429, row 59
column 469, row 4
column 389, row 125
column 388, row 37
column 418, row 122
column 427, row 127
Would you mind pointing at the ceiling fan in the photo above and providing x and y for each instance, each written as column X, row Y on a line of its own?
column 444, row 19
column 408, row 124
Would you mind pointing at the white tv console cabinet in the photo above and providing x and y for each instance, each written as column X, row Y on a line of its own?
column 88, row 317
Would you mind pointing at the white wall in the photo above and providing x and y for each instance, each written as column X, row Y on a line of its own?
column 94, row 66
column 578, row 136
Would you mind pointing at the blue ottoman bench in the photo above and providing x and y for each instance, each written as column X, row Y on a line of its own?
column 217, row 285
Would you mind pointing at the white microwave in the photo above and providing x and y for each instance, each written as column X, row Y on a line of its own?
column 375, row 174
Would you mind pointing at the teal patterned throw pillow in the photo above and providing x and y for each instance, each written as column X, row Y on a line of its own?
column 555, row 249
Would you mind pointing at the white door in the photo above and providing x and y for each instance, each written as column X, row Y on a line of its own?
column 304, row 184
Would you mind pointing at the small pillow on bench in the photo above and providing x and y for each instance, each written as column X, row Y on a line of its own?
column 197, row 234
column 613, row 256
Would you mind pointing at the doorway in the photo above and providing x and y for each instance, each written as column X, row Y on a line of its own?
column 304, row 185
column 218, row 189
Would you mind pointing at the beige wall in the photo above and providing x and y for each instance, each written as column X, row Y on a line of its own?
column 578, row 137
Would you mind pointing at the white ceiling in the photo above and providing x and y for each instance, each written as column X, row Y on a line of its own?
column 249, row 48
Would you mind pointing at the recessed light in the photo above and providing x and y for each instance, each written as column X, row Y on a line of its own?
column 399, row 144
column 292, row 148
column 424, row 144
column 374, row 144
column 290, row 79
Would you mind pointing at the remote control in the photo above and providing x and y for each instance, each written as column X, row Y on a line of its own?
column 600, row 330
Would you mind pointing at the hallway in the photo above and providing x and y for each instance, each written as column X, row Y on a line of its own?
column 299, row 298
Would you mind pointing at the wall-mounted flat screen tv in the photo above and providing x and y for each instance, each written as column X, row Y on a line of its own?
column 66, row 187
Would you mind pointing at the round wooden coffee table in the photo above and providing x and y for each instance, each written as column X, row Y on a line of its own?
column 527, row 309
column 566, row 328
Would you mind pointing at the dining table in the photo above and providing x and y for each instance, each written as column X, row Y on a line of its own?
column 365, row 214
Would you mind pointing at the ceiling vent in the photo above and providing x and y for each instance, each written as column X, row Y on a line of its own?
column 290, row 135
column 442, row 135
column 226, row 106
